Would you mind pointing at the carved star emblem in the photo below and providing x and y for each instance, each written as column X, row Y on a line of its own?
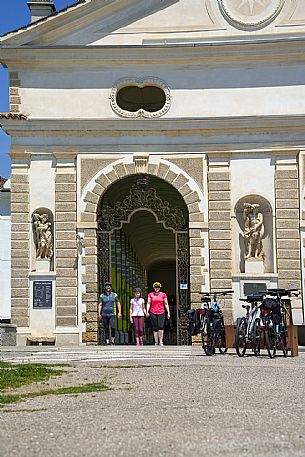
column 251, row 4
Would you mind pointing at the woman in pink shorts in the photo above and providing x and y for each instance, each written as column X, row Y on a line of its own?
column 137, row 313
column 156, row 306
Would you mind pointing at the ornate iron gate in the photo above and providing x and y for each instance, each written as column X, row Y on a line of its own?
column 143, row 197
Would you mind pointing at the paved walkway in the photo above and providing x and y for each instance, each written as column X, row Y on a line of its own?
column 170, row 401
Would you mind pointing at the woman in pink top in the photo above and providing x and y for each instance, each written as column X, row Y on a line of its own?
column 156, row 306
column 137, row 313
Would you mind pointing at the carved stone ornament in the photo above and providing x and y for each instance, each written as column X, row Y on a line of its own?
column 253, row 232
column 250, row 13
column 43, row 237
column 149, row 81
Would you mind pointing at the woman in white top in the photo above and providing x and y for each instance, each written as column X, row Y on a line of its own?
column 137, row 313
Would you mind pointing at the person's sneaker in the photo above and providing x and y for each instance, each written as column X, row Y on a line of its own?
column 137, row 344
column 161, row 343
column 156, row 344
column 107, row 342
column 141, row 343
column 112, row 343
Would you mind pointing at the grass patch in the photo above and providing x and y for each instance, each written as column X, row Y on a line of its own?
column 72, row 390
column 12, row 376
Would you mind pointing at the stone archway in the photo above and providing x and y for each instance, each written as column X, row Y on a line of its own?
column 197, row 240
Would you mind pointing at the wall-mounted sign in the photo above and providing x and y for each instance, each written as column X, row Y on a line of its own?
column 183, row 286
column 42, row 294
column 254, row 287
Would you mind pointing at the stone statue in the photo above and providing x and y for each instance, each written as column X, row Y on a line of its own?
column 42, row 236
column 253, row 232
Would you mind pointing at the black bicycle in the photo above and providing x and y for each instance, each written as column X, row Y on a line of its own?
column 248, row 327
column 211, row 322
column 274, row 318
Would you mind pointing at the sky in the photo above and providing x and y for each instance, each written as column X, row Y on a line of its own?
column 13, row 14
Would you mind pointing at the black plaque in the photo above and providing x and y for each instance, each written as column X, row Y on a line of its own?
column 42, row 294
column 254, row 287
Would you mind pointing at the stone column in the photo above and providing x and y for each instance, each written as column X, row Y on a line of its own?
column 287, row 223
column 219, row 187
column 65, row 243
column 20, row 246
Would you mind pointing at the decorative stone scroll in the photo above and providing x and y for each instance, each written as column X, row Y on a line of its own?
column 149, row 81
column 250, row 13
column 42, row 233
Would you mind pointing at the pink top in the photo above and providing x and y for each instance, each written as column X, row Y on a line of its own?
column 157, row 302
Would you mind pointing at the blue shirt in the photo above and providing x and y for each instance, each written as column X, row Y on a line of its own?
column 108, row 303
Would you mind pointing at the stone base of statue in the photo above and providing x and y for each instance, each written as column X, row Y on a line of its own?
column 254, row 266
column 42, row 265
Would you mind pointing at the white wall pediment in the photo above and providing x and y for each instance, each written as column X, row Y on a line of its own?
column 137, row 22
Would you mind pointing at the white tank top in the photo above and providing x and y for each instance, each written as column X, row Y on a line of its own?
column 137, row 306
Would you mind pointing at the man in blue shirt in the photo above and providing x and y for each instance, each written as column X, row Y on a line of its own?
column 108, row 306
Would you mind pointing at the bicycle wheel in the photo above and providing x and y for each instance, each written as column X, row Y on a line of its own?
column 210, row 348
column 222, row 339
column 270, row 341
column 205, row 337
column 241, row 336
column 256, row 338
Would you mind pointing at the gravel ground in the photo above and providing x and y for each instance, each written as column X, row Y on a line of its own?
column 210, row 406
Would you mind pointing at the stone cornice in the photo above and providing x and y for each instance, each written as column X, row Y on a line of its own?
column 216, row 51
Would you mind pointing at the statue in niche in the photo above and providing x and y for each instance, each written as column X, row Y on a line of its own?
column 253, row 232
column 42, row 236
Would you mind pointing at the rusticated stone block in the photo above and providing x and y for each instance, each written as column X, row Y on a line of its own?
column 89, row 297
column 88, row 217
column 19, row 273
column 20, row 207
column 66, row 253
column 91, row 197
column 286, row 174
column 65, row 196
column 91, row 306
column 71, row 236
column 287, row 214
column 218, row 185
column 66, row 272
column 20, row 253
column 162, row 170
column 170, row 176
column 86, row 242
column 66, row 321
column 197, row 242
column 103, row 181
column 89, row 260
column 288, row 254
column 195, row 233
column 221, row 284
column 98, row 189
column 91, row 287
column 20, row 188
column 200, row 279
column 19, row 197
column 194, row 270
column 65, row 216
column 65, row 244
column 120, row 170
column 220, row 244
column 220, row 206
column 66, row 291
column 66, row 187
column 91, row 316
column 91, row 269
column 65, row 206
column 65, row 178
column 20, row 303
column 220, row 225
column 13, row 90
column 23, row 245
column 191, row 198
column 20, row 263
column 179, row 181
column 286, row 193
column 112, row 176
column 284, row 264
column 216, row 264
column 22, row 283
column 193, row 208
column 89, row 278
column 287, row 224
column 130, row 168
column 19, row 228
column 66, row 302
column 20, row 293
column 91, row 250
column 219, row 274
column 66, row 282
column 20, row 312
column 219, row 216
column 15, row 100
column 220, row 234
column 219, row 195
column 90, row 233
column 20, row 321
column 65, row 311
column 286, row 233
column 19, row 178
column 196, row 217
column 65, row 226
column 286, row 183
column 92, row 326
column 220, row 254
column 287, row 204
column 90, row 337
column 66, row 262
column 196, row 251
column 218, row 176
column 152, row 168
column 289, row 283
column 288, row 244
column 289, row 274
column 197, row 261
column 185, row 190
column 196, row 288
column 90, row 208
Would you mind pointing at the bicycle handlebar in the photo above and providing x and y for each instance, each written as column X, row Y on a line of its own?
column 217, row 292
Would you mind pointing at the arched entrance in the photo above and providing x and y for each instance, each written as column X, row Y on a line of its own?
column 142, row 236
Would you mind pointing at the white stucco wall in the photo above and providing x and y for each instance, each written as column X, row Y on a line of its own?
column 5, row 254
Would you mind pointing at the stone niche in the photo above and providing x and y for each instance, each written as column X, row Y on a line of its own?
column 42, row 258
column 246, row 260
